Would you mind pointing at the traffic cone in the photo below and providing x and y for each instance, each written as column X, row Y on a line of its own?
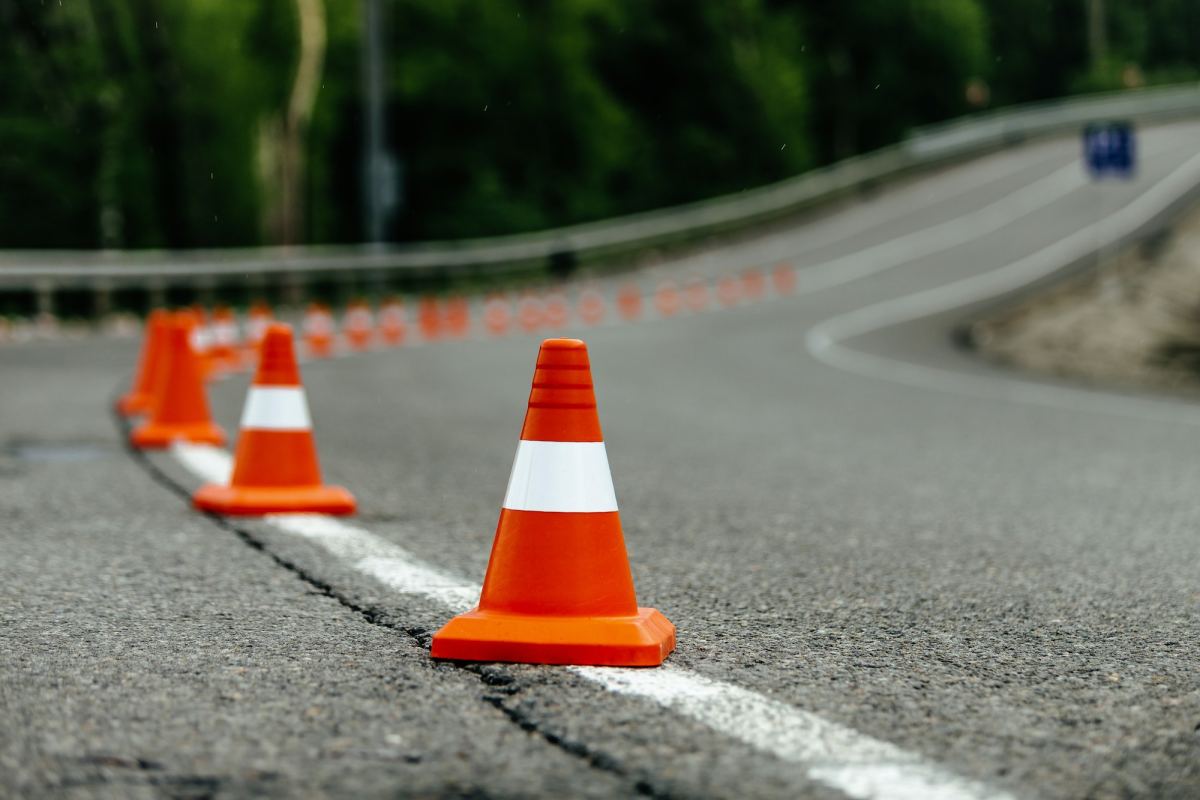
column 555, row 314
column 558, row 588
column 696, row 294
column 591, row 306
column 318, row 331
column 729, row 291
column 429, row 317
column 358, row 325
column 497, row 314
column 754, row 284
column 629, row 302
column 223, row 351
column 140, row 396
column 257, row 320
column 393, row 326
column 457, row 316
column 180, row 409
column 530, row 313
column 666, row 299
column 784, row 278
column 275, row 467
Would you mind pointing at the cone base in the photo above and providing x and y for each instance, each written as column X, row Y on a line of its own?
column 151, row 435
column 254, row 501
column 644, row 640
column 133, row 404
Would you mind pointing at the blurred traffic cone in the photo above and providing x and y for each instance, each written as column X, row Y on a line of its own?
column 729, row 291
column 629, row 302
column 180, row 409
column 558, row 588
column 392, row 325
column 695, row 294
column 458, row 317
column 554, row 311
column 358, row 325
column 200, row 336
column 429, row 318
column 257, row 320
column 754, row 284
column 784, row 278
column 591, row 306
column 666, row 299
column 275, row 467
column 530, row 313
column 318, row 331
column 224, row 340
column 140, row 396
column 497, row 314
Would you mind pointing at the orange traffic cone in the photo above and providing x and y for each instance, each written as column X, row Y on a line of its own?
column 358, row 325
column 257, row 320
column 497, row 314
column 729, row 291
column 393, row 326
column 318, row 331
column 224, row 344
column 754, row 284
column 696, row 294
column 180, row 409
column 457, row 317
column 140, row 396
column 429, row 318
column 629, row 302
column 784, row 278
column 530, row 313
column 554, row 311
column 275, row 467
column 558, row 588
column 666, row 299
column 591, row 306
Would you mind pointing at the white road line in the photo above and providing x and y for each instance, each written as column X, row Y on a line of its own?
column 825, row 341
column 830, row 754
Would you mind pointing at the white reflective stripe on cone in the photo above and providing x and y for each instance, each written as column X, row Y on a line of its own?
column 276, row 408
column 560, row 476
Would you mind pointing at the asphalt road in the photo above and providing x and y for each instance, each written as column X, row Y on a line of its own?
column 963, row 573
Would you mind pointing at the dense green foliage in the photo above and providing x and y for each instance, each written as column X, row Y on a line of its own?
column 153, row 123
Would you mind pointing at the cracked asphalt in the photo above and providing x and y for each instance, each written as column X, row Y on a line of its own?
column 1006, row 589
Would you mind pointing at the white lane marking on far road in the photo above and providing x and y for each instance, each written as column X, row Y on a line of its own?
column 831, row 754
column 825, row 340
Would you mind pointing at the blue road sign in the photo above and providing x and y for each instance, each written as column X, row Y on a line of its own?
column 1109, row 148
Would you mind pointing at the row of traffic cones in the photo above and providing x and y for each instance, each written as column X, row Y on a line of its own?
column 558, row 588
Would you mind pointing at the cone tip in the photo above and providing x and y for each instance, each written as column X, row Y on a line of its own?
column 277, row 359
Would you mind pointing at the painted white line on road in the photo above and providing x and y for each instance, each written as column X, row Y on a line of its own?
column 831, row 754
column 825, row 341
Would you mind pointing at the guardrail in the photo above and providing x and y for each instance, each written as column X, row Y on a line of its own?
column 46, row 274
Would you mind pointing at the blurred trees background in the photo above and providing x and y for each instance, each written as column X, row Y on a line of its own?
column 197, row 123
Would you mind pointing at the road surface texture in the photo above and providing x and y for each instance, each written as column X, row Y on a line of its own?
column 896, row 571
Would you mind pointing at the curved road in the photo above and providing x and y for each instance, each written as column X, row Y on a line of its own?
column 896, row 571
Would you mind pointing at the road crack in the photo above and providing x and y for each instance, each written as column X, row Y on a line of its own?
column 499, row 683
